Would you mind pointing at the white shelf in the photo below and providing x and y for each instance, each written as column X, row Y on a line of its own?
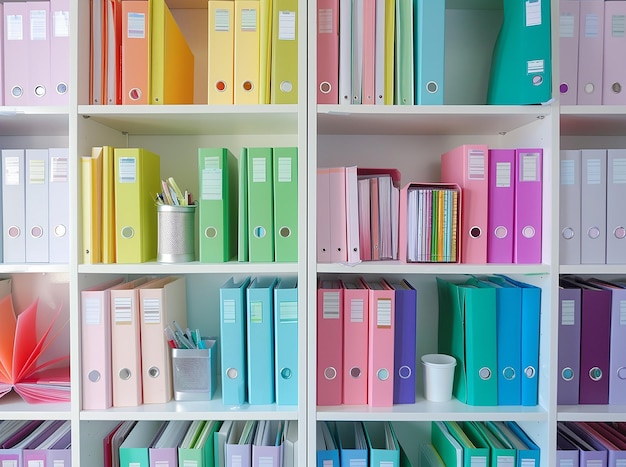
column 397, row 267
column 8, row 268
column 597, row 120
column 13, row 407
column 34, row 121
column 191, row 268
column 591, row 413
column 588, row 269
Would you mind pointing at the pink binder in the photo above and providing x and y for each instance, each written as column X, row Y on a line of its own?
column 323, row 216
column 590, row 52
column 368, row 92
column 59, row 52
column 381, row 339
column 569, row 11
column 467, row 167
column 352, row 216
column 328, row 51
column 355, row 342
column 337, row 199
column 15, row 50
column 38, row 32
column 614, row 70
column 329, row 343
column 528, row 206
column 501, row 202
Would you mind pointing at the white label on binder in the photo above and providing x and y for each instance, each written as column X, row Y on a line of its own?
column 228, row 310
column 61, row 24
column 529, row 168
column 211, row 184
column 534, row 66
column 331, row 305
column 383, row 313
column 568, row 172
column 259, row 174
column 568, row 316
column 38, row 25
column 503, row 174
column 15, row 29
column 592, row 25
column 151, row 311
column 356, row 310
column 248, row 20
column 288, row 312
column 284, row 169
column 36, row 172
column 286, row 25
column 594, row 172
column 122, row 310
column 622, row 312
column 617, row 25
column 12, row 171
column 533, row 13
column 256, row 312
column 566, row 25
column 222, row 20
column 92, row 308
column 128, row 169
column 136, row 25
column 619, row 171
column 325, row 21
column 476, row 165
column 59, row 169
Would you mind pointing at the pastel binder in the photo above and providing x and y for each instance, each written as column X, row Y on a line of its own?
column 171, row 73
column 500, row 452
column 260, row 334
column 327, row 452
column 265, row 51
column 570, row 206
column 16, row 42
column 59, row 206
column 569, row 19
column 368, row 90
column 588, row 453
column 467, row 166
column 329, row 342
column 338, row 232
column 382, row 443
column 286, row 341
column 355, row 342
column 96, row 346
column 380, row 50
column 615, row 215
column 528, row 206
column 590, row 52
column 285, row 185
column 345, row 52
column 614, row 71
column 284, row 78
column 390, row 51
column 221, row 52
column 404, row 85
column 353, row 247
column 242, row 208
column 2, row 55
column 107, row 202
column 234, row 342
column 260, row 205
column 356, row 60
column 134, row 449
column 567, row 454
column 247, row 47
column 501, row 202
column 37, row 207
column 382, row 322
column 217, row 204
column 163, row 450
column 328, row 52
column 569, row 344
column 199, row 450
column 238, row 448
column 267, row 447
column 91, row 206
column 528, row 453
column 446, row 445
column 219, row 443
column 404, row 341
column 161, row 302
column 352, row 443
column 97, row 53
column 38, row 30
column 323, row 215
column 13, row 205
column 521, row 64
column 290, row 443
column 475, row 449
column 137, row 178
column 600, row 440
column 136, row 31
column 113, row 52
column 593, row 194
column 430, row 19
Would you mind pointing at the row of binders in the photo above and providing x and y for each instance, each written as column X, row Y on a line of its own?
column 600, row 444
column 591, row 43
column 366, row 338
column 491, row 326
column 138, row 54
column 202, row 443
column 124, row 353
column 456, row 444
column 253, row 52
column 592, row 332
column 591, row 214
column 248, row 208
column 25, row 366
column 35, row 53
column 259, row 335
column 393, row 52
column 35, row 206
column 35, row 443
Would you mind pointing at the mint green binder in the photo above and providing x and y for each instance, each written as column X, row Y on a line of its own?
column 285, row 168
column 242, row 214
column 404, row 81
column 260, row 205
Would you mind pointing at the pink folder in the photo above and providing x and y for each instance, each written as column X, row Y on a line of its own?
column 15, row 50
column 368, row 91
column 467, row 167
column 59, row 52
column 96, row 346
column 328, row 51
column 355, row 342
column 338, row 230
column 528, row 212
column 614, row 71
column 329, row 343
column 501, row 202
column 38, row 32
column 323, row 216
column 569, row 11
column 381, row 343
column 590, row 52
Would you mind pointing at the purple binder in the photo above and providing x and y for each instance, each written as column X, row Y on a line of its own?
column 404, row 343
column 567, row 454
column 569, row 346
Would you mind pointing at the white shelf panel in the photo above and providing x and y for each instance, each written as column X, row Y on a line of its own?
column 591, row 413
column 425, row 120
column 196, row 119
column 34, row 121
column 397, row 267
column 588, row 269
column 13, row 407
column 597, row 120
column 7, row 268
column 424, row 410
column 191, row 268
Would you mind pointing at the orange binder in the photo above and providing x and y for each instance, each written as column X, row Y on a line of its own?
column 135, row 52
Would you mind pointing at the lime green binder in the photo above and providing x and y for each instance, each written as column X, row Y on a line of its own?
column 260, row 205
column 242, row 214
column 285, row 171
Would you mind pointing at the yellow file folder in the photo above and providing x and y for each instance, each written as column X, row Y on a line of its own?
column 247, row 51
column 221, row 49
column 284, row 82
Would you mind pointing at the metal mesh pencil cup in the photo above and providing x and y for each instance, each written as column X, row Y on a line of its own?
column 176, row 233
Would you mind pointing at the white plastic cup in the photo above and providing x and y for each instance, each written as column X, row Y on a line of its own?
column 438, row 376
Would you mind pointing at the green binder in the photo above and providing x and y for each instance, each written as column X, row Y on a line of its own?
column 285, row 204
column 260, row 205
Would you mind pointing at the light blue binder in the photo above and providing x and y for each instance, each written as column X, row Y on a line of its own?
column 286, row 332
column 233, row 338
column 260, row 332
column 352, row 444
column 327, row 452
column 382, row 443
column 430, row 19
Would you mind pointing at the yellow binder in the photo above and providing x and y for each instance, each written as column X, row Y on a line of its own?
column 221, row 49
column 265, row 25
column 284, row 81
column 137, row 181
column 171, row 59
column 108, row 204
column 91, row 194
column 390, row 26
column 247, row 51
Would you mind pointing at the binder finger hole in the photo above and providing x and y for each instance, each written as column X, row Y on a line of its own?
column 247, row 85
column 567, row 233
column 528, row 231
column 432, row 87
column 134, row 94
column 36, row 232
column 17, row 91
column 94, row 376
column 232, row 373
column 382, row 374
column 60, row 231
column 286, row 373
column 128, row 232
column 593, row 233
column 621, row 373
column 616, row 88
column 508, row 373
column 285, row 232
column 125, row 374
column 595, row 373
column 286, row 86
column 619, row 232
column 13, row 231
column 484, row 373
column 404, row 372
column 589, row 88
column 220, row 86
column 325, row 87
column 210, row 232
column 40, row 91
column 475, row 232
column 330, row 373
column 61, row 88
column 530, row 372
column 153, row 372
column 355, row 372
column 259, row 232
column 567, row 374
column 563, row 88
column 500, row 231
